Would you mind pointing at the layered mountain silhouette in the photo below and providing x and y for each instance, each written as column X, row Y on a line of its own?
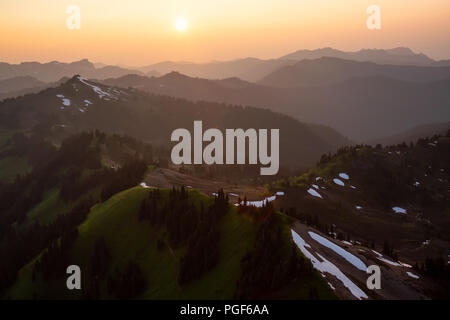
column 54, row 71
column 363, row 101
column 252, row 69
column 19, row 83
column 80, row 105
column 397, row 56
column 328, row 70
column 249, row 69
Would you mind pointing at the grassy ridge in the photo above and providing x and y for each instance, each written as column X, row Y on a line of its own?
column 128, row 238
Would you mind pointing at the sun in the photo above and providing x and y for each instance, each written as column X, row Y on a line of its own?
column 181, row 24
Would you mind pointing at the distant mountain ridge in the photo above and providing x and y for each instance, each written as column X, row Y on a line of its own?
column 361, row 108
column 253, row 69
column 22, row 85
column 249, row 69
column 19, row 83
column 327, row 70
column 82, row 105
column 53, row 71
column 396, row 56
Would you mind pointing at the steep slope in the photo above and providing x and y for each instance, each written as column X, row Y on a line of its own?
column 116, row 235
column 393, row 200
column 343, row 264
column 59, row 187
column 117, row 221
column 398, row 194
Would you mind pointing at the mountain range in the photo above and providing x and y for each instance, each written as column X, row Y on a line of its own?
column 249, row 69
column 79, row 105
column 395, row 56
column 328, row 70
column 86, row 179
column 54, row 71
column 363, row 101
column 253, row 69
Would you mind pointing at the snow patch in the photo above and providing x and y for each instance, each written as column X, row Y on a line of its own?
column 327, row 266
column 377, row 253
column 331, row 286
column 96, row 89
column 344, row 176
column 342, row 252
column 339, row 182
column 405, row 264
column 412, row 275
column 392, row 263
column 314, row 193
column 144, row 185
column 399, row 210
column 259, row 203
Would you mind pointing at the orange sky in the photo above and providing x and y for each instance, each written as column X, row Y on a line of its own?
column 141, row 32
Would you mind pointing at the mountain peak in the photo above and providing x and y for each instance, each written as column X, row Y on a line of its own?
column 84, row 63
column 403, row 51
column 174, row 75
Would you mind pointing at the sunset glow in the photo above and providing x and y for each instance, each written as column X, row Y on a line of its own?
column 181, row 24
column 139, row 32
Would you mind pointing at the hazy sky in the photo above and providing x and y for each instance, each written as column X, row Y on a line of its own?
column 140, row 32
